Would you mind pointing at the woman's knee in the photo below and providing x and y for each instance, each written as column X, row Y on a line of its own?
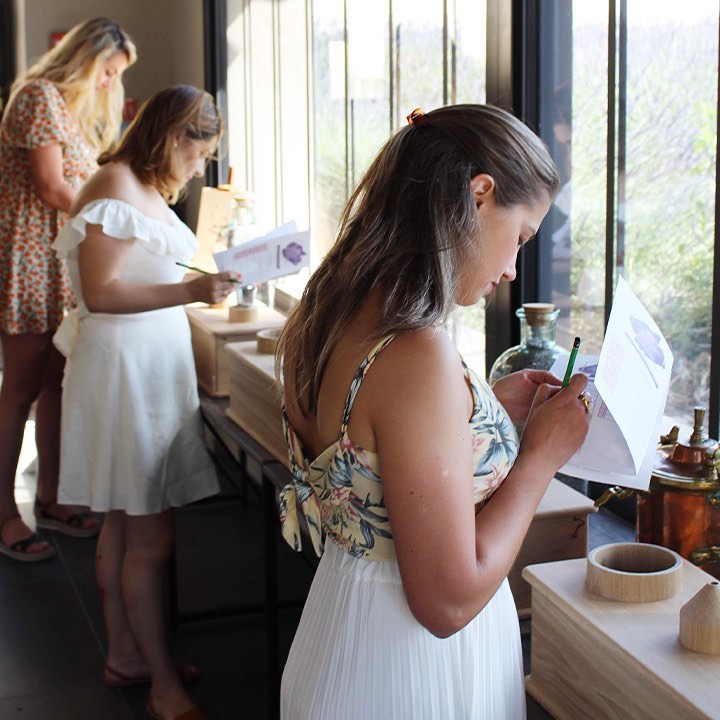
column 156, row 553
column 150, row 538
column 26, row 359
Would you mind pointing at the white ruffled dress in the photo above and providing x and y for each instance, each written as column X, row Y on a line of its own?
column 131, row 435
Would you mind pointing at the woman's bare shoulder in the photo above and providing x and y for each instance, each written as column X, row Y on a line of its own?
column 114, row 181
column 416, row 372
column 427, row 351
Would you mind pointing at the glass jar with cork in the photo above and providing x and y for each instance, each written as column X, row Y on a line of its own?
column 537, row 349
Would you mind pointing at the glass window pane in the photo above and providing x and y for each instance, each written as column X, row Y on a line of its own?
column 368, row 82
column 467, row 85
column 330, row 143
column 418, row 43
column 470, row 47
column 669, row 207
column 664, row 184
column 574, row 125
column 315, row 90
column 238, row 95
column 293, row 168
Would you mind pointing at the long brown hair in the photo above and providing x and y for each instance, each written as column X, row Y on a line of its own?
column 148, row 145
column 73, row 66
column 410, row 227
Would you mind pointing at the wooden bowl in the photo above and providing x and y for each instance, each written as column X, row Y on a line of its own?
column 634, row 572
column 243, row 313
column 267, row 340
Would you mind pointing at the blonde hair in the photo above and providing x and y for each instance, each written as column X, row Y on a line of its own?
column 149, row 144
column 73, row 66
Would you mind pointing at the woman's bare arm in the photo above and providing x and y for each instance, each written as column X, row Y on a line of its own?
column 101, row 259
column 451, row 560
column 46, row 169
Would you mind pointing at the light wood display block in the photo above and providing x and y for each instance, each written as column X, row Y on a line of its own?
column 255, row 398
column 559, row 531
column 602, row 659
column 211, row 331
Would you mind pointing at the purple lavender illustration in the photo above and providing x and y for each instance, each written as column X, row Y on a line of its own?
column 648, row 341
column 293, row 253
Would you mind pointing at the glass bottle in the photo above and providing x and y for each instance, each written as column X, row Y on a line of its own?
column 537, row 349
column 240, row 229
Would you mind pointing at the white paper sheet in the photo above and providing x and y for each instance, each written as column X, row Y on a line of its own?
column 278, row 253
column 629, row 384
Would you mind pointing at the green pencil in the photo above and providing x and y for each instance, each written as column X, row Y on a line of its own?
column 204, row 272
column 571, row 361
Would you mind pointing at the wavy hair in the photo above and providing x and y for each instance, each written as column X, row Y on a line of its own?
column 149, row 143
column 73, row 66
column 410, row 227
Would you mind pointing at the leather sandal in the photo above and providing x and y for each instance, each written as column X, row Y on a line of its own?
column 73, row 525
column 115, row 678
column 20, row 550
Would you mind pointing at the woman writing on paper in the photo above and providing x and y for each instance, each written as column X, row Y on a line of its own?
column 132, row 444
column 405, row 463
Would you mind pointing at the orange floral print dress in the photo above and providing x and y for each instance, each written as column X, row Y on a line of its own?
column 34, row 286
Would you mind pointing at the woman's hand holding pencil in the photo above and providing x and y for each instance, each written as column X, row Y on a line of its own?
column 582, row 397
column 235, row 278
column 557, row 424
column 210, row 287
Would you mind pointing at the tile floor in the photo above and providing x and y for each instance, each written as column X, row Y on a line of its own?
column 52, row 637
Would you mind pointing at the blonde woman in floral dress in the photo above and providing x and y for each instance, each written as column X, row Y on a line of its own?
column 416, row 489
column 62, row 113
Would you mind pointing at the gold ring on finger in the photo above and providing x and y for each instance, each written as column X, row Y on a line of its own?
column 585, row 400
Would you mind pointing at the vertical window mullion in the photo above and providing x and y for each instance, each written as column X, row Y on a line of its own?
column 348, row 108
column 215, row 55
column 310, row 105
column 249, row 145
column 610, row 189
column 392, row 104
column 445, row 52
column 621, row 144
column 714, row 403
column 277, row 106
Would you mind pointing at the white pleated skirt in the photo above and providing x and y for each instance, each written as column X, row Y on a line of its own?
column 359, row 654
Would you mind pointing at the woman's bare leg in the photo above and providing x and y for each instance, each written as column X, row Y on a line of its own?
column 150, row 540
column 47, row 439
column 24, row 358
column 47, row 426
column 123, row 652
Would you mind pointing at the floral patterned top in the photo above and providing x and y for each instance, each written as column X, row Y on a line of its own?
column 34, row 286
column 340, row 492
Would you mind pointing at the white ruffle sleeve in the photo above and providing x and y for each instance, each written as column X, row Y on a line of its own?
column 124, row 221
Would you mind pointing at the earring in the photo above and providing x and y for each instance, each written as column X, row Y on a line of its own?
column 175, row 144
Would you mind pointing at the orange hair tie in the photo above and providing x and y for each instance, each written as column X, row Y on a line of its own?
column 416, row 117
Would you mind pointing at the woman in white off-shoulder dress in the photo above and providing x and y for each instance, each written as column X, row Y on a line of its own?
column 405, row 463
column 132, row 444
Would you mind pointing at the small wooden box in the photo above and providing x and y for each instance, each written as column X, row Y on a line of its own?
column 598, row 658
column 255, row 397
column 559, row 531
column 211, row 331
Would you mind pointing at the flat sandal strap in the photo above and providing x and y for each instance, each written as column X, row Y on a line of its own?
column 76, row 520
column 23, row 545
